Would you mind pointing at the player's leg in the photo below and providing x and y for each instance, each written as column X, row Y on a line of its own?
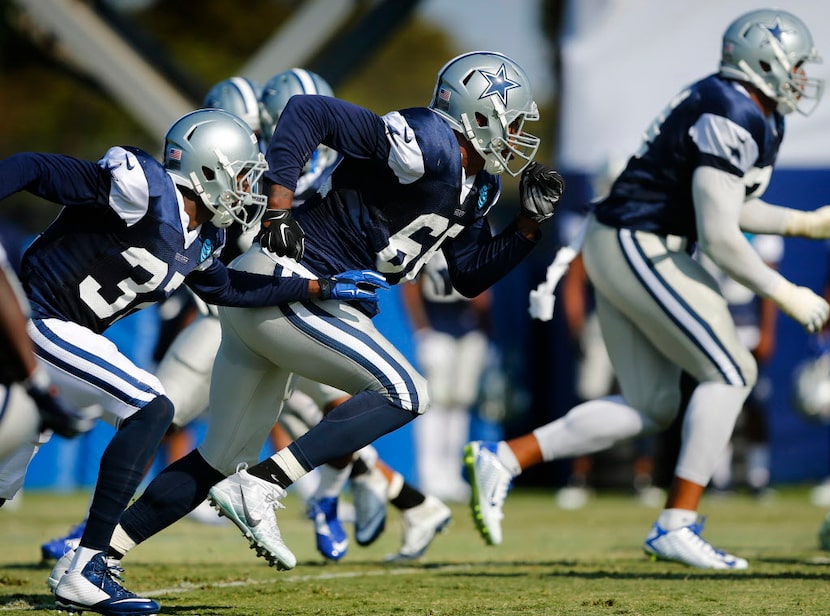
column 247, row 392
column 680, row 310
column 89, row 369
column 335, row 344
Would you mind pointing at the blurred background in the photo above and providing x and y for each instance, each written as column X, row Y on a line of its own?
column 79, row 76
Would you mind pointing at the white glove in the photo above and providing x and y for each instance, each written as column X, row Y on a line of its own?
column 802, row 304
column 542, row 301
column 542, row 298
column 814, row 225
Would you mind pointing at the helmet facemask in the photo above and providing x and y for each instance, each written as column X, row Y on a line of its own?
column 232, row 192
column 502, row 142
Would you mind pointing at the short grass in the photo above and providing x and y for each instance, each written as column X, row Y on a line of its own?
column 552, row 562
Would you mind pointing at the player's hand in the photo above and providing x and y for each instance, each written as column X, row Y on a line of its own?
column 361, row 285
column 540, row 190
column 803, row 305
column 55, row 414
column 820, row 227
column 814, row 224
column 281, row 234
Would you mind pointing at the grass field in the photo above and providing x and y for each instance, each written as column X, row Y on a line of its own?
column 552, row 562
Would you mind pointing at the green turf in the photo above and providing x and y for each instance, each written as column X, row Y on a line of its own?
column 552, row 562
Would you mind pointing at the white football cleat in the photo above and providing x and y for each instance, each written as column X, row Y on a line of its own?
column 62, row 565
column 685, row 545
column 369, row 495
column 251, row 504
column 96, row 587
column 490, row 481
column 420, row 524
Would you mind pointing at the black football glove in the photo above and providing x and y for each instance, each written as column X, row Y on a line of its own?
column 281, row 234
column 353, row 285
column 55, row 414
column 540, row 191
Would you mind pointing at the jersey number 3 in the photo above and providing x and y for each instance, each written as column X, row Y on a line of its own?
column 129, row 289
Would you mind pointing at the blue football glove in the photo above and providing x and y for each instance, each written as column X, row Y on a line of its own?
column 359, row 285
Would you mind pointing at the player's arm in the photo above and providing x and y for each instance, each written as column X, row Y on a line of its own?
column 19, row 357
column 222, row 286
column 305, row 123
column 226, row 287
column 309, row 120
column 55, row 177
column 718, row 198
column 477, row 259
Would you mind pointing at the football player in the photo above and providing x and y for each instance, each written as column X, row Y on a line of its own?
column 131, row 230
column 410, row 183
column 697, row 178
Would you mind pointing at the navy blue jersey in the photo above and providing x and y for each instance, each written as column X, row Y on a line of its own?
column 121, row 241
column 711, row 123
column 395, row 196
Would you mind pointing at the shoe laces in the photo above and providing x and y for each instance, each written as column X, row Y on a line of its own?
column 697, row 529
column 110, row 578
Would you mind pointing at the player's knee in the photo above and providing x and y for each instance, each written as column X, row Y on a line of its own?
column 661, row 406
column 411, row 394
column 157, row 414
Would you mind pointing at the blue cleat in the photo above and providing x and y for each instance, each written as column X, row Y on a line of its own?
column 332, row 541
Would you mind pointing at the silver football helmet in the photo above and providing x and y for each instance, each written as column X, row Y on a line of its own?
column 281, row 87
column 486, row 97
column 238, row 95
column 215, row 154
column 768, row 48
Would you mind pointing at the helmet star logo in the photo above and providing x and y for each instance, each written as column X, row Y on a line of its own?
column 498, row 83
column 776, row 30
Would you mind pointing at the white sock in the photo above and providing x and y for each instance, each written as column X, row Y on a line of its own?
column 289, row 464
column 672, row 519
column 395, row 486
column 120, row 541
column 332, row 481
column 508, row 458
column 82, row 557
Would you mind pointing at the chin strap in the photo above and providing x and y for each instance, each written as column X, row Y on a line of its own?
column 542, row 298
